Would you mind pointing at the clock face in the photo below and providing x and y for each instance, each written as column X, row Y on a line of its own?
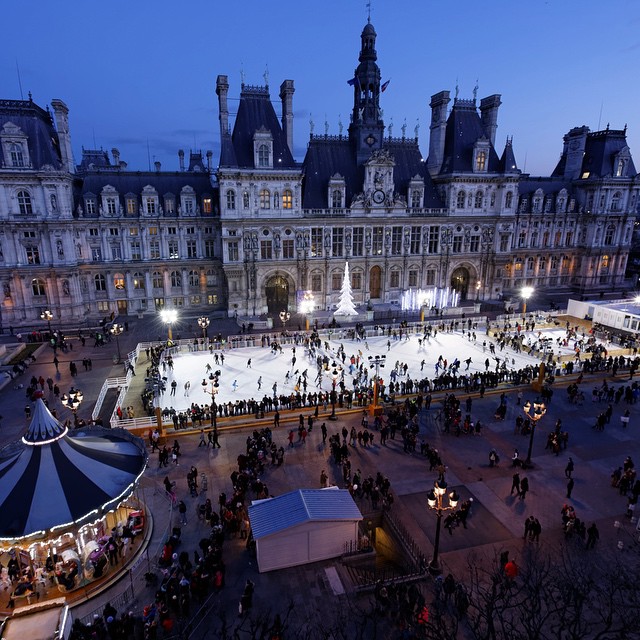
column 378, row 196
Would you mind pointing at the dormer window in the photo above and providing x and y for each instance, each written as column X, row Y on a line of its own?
column 337, row 191
column 263, row 149
column 481, row 155
column 336, row 199
column 14, row 147
column 621, row 169
column 188, row 198
column 416, row 199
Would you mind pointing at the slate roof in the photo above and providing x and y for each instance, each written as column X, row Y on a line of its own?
column 600, row 151
column 298, row 507
column 255, row 112
column 508, row 159
column 37, row 124
column 329, row 155
column 94, row 159
column 464, row 128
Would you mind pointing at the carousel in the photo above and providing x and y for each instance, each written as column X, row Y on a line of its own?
column 67, row 507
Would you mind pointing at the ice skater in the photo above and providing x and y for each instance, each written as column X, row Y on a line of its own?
column 259, row 383
column 235, row 385
column 187, row 387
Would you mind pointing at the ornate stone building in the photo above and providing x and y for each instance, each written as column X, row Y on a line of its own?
column 464, row 218
column 93, row 240
column 255, row 235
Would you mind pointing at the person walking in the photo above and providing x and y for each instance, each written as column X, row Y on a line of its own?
column 515, row 484
column 569, row 468
column 536, row 530
column 323, row 429
column 276, row 419
column 182, row 510
column 203, row 441
column 528, row 524
column 593, row 535
column 570, row 487
column 524, row 487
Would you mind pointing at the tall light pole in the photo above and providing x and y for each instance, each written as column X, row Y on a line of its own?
column 72, row 401
column 48, row 316
column 284, row 318
column 204, row 322
column 307, row 306
column 539, row 409
column 436, row 503
column 335, row 374
column 116, row 330
column 478, row 287
column 526, row 293
column 169, row 316
column 377, row 362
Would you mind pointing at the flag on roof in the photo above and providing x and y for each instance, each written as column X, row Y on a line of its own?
column 385, row 85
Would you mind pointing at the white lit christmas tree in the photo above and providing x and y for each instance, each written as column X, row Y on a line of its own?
column 345, row 305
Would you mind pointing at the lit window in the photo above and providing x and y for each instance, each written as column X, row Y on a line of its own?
column 138, row 281
column 287, row 199
column 481, row 160
column 206, row 205
column 131, row 206
column 605, row 262
column 118, row 281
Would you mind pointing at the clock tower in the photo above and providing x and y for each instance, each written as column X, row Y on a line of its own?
column 366, row 129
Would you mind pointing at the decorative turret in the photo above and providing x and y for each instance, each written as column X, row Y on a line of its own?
column 508, row 159
column 366, row 129
column 61, row 112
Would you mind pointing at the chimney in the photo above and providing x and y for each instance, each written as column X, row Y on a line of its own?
column 489, row 114
column 209, row 156
column 116, row 156
column 574, row 144
column 222, row 89
column 437, row 130
column 286, row 95
column 61, row 112
column 181, row 158
column 157, row 165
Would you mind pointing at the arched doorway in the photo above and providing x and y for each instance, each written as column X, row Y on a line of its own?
column 277, row 292
column 375, row 282
column 460, row 282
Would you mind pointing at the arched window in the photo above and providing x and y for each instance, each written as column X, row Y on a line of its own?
column 263, row 155
column 245, row 200
column 508, row 201
column 605, row 262
column 194, row 279
column 157, row 280
column 461, row 200
column 287, row 199
column 615, row 201
column 231, row 199
column 138, row 280
column 17, row 159
column 38, row 287
column 176, row 279
column 24, row 203
column 100, row 282
column 118, row 281
column 336, row 199
column 478, row 201
column 265, row 199
column 609, row 235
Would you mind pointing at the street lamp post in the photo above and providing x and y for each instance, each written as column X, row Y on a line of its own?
column 72, row 401
column 306, row 307
column 215, row 388
column 377, row 362
column 169, row 316
column 335, row 374
column 204, row 322
column 526, row 293
column 284, row 318
column 478, row 287
column 116, row 330
column 435, row 503
column 539, row 409
column 48, row 316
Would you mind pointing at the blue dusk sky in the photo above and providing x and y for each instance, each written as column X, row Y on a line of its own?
column 140, row 75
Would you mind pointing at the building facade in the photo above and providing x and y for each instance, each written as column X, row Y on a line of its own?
column 261, row 231
column 464, row 219
column 97, row 240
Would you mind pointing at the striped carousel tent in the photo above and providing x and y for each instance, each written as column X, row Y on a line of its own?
column 53, row 478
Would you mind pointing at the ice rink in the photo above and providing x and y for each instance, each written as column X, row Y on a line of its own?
column 238, row 380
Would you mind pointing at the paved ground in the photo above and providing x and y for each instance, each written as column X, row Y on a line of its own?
column 496, row 520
